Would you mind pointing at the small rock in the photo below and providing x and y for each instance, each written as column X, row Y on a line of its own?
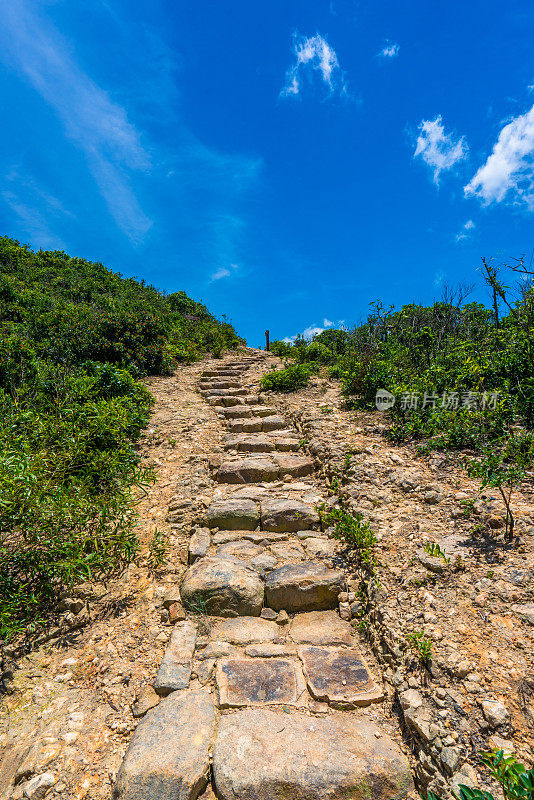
column 495, row 712
column 268, row 613
column 171, row 596
column 37, row 787
column 410, row 699
column 450, row 758
column 176, row 613
column 145, row 700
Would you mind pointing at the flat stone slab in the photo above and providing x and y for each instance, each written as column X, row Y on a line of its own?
column 245, row 425
column 320, row 628
column 320, row 548
column 525, row 611
column 222, row 586
column 242, row 412
column 175, row 670
column 309, row 586
column 168, row 755
column 234, row 515
column 273, row 423
column 269, row 755
column 199, row 544
column 246, row 411
column 215, row 384
column 225, row 401
column 249, row 444
column 244, row 630
column 258, row 681
column 241, row 548
column 286, row 443
column 296, row 466
column 269, row 650
column 339, row 676
column 248, row 470
column 287, row 551
column 288, row 515
column 264, row 562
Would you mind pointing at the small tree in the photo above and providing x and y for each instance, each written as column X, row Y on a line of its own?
column 502, row 469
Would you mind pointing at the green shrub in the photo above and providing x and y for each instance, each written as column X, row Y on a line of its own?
column 517, row 783
column 74, row 337
column 289, row 379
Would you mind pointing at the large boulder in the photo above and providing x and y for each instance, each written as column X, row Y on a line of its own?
column 233, row 515
column 309, row 586
column 288, row 515
column 168, row 756
column 225, row 587
column 270, row 755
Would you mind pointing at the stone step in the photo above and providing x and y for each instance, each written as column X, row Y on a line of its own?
column 169, row 754
column 216, row 384
column 226, row 401
column 233, row 515
column 243, row 681
column 249, row 411
column 258, row 469
column 220, row 374
column 288, row 515
column 222, row 586
column 257, row 425
column 224, row 392
column 309, row 586
column 271, row 755
column 260, row 444
column 338, row 676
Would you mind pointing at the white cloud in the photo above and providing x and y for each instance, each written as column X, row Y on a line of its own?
column 466, row 228
column 438, row 278
column 95, row 123
column 314, row 52
column 510, row 167
column 390, row 50
column 439, row 149
column 311, row 331
column 224, row 272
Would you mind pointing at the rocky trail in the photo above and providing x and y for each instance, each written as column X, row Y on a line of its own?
column 246, row 659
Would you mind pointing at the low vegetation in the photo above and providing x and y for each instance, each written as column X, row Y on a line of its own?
column 75, row 338
column 461, row 374
column 516, row 782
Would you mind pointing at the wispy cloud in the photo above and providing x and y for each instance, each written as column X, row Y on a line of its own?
column 34, row 222
column 509, row 170
column 91, row 119
column 440, row 150
column 313, row 54
column 390, row 50
column 438, row 278
column 310, row 332
column 467, row 227
column 224, row 272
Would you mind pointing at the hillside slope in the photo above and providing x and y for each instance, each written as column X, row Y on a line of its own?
column 75, row 338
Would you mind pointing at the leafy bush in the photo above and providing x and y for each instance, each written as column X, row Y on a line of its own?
column 517, row 783
column 359, row 541
column 74, row 337
column 289, row 379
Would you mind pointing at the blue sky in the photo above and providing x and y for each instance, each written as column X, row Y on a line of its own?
column 285, row 162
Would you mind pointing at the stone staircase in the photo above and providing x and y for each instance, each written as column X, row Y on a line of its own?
column 263, row 682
